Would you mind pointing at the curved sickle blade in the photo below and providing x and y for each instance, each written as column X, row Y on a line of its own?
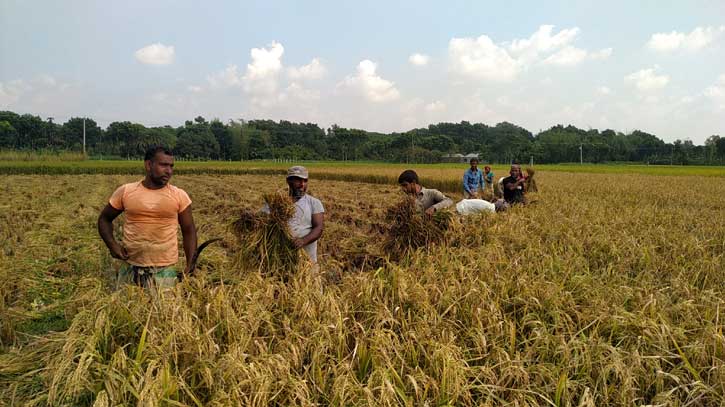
column 201, row 247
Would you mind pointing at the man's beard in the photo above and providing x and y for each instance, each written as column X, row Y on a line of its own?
column 296, row 193
column 158, row 180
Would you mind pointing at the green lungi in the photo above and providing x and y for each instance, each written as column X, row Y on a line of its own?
column 148, row 277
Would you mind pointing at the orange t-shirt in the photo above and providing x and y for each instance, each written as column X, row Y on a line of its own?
column 152, row 219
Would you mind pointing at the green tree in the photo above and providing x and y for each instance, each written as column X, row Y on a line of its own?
column 72, row 133
column 223, row 136
column 195, row 140
column 8, row 135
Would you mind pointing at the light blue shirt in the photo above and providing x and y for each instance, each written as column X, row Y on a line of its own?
column 472, row 180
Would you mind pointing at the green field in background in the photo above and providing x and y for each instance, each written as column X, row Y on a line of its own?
column 275, row 167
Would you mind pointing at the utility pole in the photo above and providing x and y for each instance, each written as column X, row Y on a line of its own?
column 47, row 140
column 531, row 162
column 84, row 137
column 581, row 155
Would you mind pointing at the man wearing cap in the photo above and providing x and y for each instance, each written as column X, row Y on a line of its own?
column 308, row 222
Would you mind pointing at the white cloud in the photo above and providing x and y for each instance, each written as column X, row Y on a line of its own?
column 480, row 58
column 647, row 79
column 716, row 92
column 435, row 106
column 229, row 77
column 603, row 90
column 370, row 84
column 297, row 92
column 542, row 41
column 314, row 70
column 267, row 86
column 601, row 54
column 10, row 92
column 567, row 57
column 419, row 59
column 262, row 73
column 697, row 39
column 40, row 90
column 155, row 54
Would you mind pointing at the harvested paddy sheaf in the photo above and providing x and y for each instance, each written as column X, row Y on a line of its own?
column 408, row 229
column 530, row 180
column 582, row 299
column 264, row 238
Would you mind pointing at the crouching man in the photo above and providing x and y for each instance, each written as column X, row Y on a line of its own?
column 514, row 189
column 426, row 200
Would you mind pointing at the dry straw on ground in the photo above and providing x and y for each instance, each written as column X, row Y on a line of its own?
column 409, row 229
column 594, row 303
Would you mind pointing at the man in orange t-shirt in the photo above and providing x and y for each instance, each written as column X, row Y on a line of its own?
column 154, row 210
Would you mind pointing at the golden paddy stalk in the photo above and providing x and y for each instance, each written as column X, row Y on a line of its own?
column 264, row 238
column 578, row 300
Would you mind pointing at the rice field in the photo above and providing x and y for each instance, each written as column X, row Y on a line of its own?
column 607, row 290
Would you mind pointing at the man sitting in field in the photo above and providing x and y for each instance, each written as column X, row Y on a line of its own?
column 154, row 210
column 513, row 188
column 307, row 224
column 426, row 200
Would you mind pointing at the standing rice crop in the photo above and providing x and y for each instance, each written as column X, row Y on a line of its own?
column 264, row 238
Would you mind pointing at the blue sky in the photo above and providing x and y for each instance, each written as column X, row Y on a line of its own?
column 381, row 66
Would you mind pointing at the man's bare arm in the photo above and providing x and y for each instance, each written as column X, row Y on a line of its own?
column 105, row 229
column 188, row 231
column 318, row 225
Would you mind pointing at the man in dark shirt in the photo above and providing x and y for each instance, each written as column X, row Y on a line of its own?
column 513, row 186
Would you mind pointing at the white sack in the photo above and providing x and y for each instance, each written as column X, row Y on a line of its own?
column 471, row 206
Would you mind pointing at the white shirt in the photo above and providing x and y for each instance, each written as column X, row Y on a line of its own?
column 301, row 224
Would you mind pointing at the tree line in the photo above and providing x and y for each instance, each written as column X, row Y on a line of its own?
column 267, row 139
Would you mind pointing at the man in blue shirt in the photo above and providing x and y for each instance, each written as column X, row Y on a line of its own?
column 472, row 181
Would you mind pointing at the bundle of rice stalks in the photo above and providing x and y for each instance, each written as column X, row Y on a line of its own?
column 530, row 180
column 264, row 239
column 497, row 190
column 409, row 229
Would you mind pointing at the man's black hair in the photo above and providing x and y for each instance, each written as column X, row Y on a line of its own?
column 408, row 176
column 472, row 160
column 153, row 150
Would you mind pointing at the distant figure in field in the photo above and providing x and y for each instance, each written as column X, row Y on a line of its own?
column 154, row 210
column 513, row 188
column 488, row 178
column 427, row 200
column 307, row 224
column 472, row 181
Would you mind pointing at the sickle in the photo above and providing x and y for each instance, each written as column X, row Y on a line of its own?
column 195, row 257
